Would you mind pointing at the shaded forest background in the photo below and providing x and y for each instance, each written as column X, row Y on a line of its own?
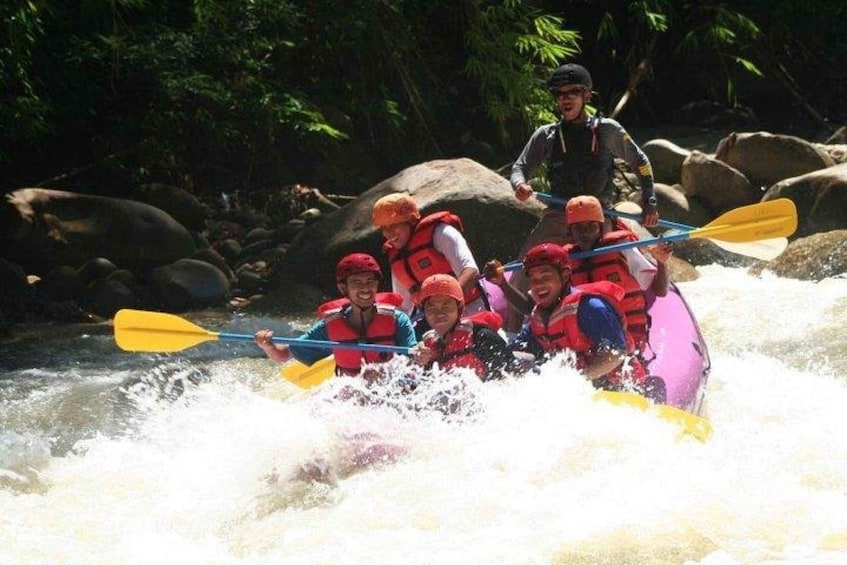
column 234, row 95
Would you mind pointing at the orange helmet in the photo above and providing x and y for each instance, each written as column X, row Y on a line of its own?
column 583, row 209
column 442, row 285
column 394, row 209
column 542, row 254
column 356, row 263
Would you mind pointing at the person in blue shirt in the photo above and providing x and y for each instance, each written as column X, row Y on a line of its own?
column 586, row 319
column 362, row 315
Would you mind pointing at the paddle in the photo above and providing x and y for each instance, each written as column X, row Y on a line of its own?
column 765, row 220
column 764, row 249
column 691, row 424
column 139, row 330
column 308, row 376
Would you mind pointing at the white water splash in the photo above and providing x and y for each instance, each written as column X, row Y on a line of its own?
column 543, row 474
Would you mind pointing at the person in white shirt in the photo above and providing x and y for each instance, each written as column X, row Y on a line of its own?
column 419, row 247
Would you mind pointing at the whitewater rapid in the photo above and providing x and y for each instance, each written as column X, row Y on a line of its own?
column 104, row 462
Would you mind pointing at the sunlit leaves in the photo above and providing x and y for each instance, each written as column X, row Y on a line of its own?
column 512, row 48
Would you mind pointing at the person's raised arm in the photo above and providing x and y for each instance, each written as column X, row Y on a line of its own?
column 662, row 254
column 493, row 272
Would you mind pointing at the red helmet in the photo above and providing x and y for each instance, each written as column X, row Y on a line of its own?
column 551, row 254
column 357, row 263
column 441, row 285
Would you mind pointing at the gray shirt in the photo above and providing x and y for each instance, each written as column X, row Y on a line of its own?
column 613, row 139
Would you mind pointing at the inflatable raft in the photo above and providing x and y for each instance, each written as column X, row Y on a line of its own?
column 677, row 352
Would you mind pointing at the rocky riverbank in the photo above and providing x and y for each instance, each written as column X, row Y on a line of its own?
column 71, row 258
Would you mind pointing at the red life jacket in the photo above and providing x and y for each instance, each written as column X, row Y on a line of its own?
column 613, row 267
column 381, row 330
column 458, row 349
column 562, row 328
column 419, row 258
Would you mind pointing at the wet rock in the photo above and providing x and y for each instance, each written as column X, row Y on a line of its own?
column 811, row 258
column 230, row 250
column 62, row 283
column 820, row 198
column 666, row 159
column 214, row 258
column 766, row 158
column 259, row 234
column 47, row 228
column 484, row 200
column 189, row 283
column 180, row 204
column 94, row 269
column 310, row 215
column 105, row 297
column 719, row 186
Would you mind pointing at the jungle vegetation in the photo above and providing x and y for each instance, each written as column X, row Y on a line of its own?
column 221, row 95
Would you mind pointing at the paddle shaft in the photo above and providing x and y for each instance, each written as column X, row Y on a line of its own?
column 515, row 265
column 320, row 344
column 550, row 199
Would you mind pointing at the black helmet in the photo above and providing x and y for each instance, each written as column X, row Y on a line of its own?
column 569, row 73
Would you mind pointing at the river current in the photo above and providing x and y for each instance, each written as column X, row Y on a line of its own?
column 201, row 456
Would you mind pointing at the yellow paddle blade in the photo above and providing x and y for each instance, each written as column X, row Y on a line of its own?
column 763, row 249
column 765, row 220
column 308, row 376
column 139, row 330
column 690, row 424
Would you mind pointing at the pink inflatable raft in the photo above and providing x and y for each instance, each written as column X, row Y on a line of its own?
column 678, row 352
column 681, row 357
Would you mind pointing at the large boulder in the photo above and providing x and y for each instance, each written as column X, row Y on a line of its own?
column 42, row 229
column 820, row 197
column 666, row 158
column 813, row 258
column 717, row 185
column 179, row 203
column 189, row 283
column 766, row 158
column 496, row 223
column 675, row 206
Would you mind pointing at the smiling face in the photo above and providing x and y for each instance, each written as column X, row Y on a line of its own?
column 586, row 234
column 361, row 289
column 442, row 313
column 546, row 283
column 397, row 235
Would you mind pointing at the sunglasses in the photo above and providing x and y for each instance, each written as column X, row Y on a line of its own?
column 568, row 92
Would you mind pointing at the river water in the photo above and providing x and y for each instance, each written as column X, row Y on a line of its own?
column 198, row 457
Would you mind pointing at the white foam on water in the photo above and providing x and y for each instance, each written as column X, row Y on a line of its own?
column 542, row 473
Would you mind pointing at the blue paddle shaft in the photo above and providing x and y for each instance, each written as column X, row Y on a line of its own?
column 320, row 344
column 515, row 265
column 550, row 199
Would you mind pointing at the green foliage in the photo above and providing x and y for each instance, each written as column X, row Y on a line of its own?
column 221, row 94
column 24, row 113
column 676, row 33
column 512, row 49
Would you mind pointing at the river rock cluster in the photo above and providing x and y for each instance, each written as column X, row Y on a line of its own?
column 72, row 257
